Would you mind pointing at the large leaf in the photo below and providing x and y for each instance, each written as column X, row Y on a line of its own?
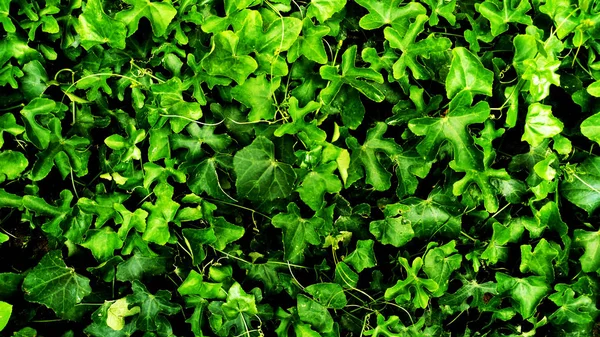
column 95, row 27
column 467, row 73
column 527, row 292
column 502, row 13
column 151, row 306
column 55, row 285
column 590, row 242
column 160, row 14
column 388, row 12
column 259, row 174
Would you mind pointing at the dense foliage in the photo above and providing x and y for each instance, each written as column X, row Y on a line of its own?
column 299, row 168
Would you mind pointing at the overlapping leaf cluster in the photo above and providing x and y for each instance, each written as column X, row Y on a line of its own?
column 299, row 168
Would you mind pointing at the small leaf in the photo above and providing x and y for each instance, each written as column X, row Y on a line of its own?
column 160, row 14
column 526, row 292
column 583, row 189
column 315, row 314
column 590, row 241
column 12, row 164
column 298, row 233
column 257, row 94
column 590, row 128
column 331, row 295
column 388, row 12
column 392, row 231
column 363, row 256
column 151, row 306
column 5, row 312
column 323, row 10
column 102, row 243
column 223, row 59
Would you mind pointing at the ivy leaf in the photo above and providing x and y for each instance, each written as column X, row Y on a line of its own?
column 35, row 81
column 443, row 8
column 298, row 233
column 409, row 166
column 5, row 312
column 225, row 232
column 527, row 292
column 161, row 213
column 315, row 314
column 540, row 260
column 467, row 73
column 160, row 14
column 590, row 241
column 483, row 179
column 223, row 60
column 140, row 265
column 317, row 182
column 440, row 263
column 540, row 72
column 257, row 94
column 331, row 295
column 239, row 303
column 299, row 123
column 55, row 285
column 117, row 312
column 8, row 123
column 102, row 243
column 438, row 214
column 352, row 76
column 363, row 256
column 364, row 158
column 12, row 164
column 310, row 44
column 583, row 185
column 392, row 231
column 388, row 12
column 501, row 13
column 96, row 28
column 540, row 124
column 471, row 289
column 411, row 50
column 590, row 128
column 581, row 310
column 401, row 290
column 205, row 179
column 323, row 10
column 37, row 133
column 259, row 175
column 151, row 306
column 454, row 129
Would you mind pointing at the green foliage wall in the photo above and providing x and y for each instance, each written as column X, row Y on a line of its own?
column 299, row 168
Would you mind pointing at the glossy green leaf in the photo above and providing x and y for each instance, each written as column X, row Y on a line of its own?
column 540, row 123
column 454, row 129
column 151, row 306
column 590, row 242
column 467, row 73
column 364, row 159
column 12, row 164
column 96, row 28
column 298, row 232
column 323, row 10
column 160, row 14
column 501, row 13
column 223, row 60
column 257, row 94
column 526, row 292
column 539, row 261
column 576, row 310
column 363, row 256
column 388, row 12
column 315, row 314
column 55, row 285
column 392, row 231
column 590, row 128
column 583, row 187
column 317, row 182
column 422, row 287
column 102, row 242
column 5, row 312
column 439, row 264
column 259, row 174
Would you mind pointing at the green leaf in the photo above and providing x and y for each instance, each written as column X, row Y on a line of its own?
column 298, row 233
column 8, row 123
column 259, row 175
column 315, row 314
column 12, row 164
column 317, row 182
column 540, row 124
column 160, row 14
column 161, row 213
column 102, row 243
column 467, row 73
column 239, row 302
column 483, row 179
column 331, row 295
column 440, row 263
column 117, row 312
column 151, row 306
column 594, row 89
column 36, row 133
column 361, row 79
column 5, row 312
column 540, row 260
column 471, row 295
column 581, row 310
column 55, row 285
column 323, row 10
column 445, row 9
column 223, row 60
column 411, row 51
column 195, row 239
column 225, row 232
column 364, row 158
column 590, row 128
column 388, row 12
column 299, row 123
column 501, row 13
column 590, row 242
column 257, row 94
column 310, row 44
column 95, row 27
column 392, row 231
column 583, row 187
column 140, row 265
column 363, row 256
column 409, row 166
column 526, row 292
column 401, row 290
column 35, row 81
column 454, row 129
column 204, row 178
column 438, row 214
